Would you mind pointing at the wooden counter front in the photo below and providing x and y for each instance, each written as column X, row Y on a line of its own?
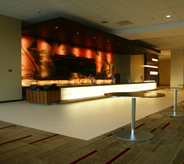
column 42, row 97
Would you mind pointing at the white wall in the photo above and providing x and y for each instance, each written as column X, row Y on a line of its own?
column 136, row 67
column 164, row 72
column 10, row 55
column 177, row 62
column 122, row 66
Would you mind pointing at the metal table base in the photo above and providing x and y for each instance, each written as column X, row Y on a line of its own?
column 132, row 134
column 173, row 113
column 139, row 135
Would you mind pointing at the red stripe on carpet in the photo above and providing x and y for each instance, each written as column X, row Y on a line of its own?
column 87, row 155
column 153, row 130
column 119, row 155
column 8, row 127
column 15, row 140
column 150, row 115
column 165, row 126
column 44, row 139
column 139, row 126
column 109, row 135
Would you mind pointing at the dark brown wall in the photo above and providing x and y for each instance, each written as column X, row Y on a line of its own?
column 148, row 61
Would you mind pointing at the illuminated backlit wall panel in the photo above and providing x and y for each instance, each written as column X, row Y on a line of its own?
column 37, row 57
column 72, row 93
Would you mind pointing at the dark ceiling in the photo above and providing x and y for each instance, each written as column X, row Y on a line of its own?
column 74, row 33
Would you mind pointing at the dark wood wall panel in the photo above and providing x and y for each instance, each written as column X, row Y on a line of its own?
column 148, row 61
column 74, row 33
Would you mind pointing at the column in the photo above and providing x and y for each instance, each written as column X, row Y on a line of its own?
column 177, row 68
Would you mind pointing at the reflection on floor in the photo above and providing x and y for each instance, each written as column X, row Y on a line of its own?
column 83, row 120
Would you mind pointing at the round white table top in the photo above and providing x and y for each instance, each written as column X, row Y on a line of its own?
column 173, row 88
column 135, row 94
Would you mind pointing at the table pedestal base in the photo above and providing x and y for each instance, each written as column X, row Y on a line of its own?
column 139, row 135
column 171, row 113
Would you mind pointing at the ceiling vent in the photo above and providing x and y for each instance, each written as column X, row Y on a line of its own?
column 123, row 23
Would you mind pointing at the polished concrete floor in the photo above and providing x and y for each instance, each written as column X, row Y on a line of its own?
column 84, row 120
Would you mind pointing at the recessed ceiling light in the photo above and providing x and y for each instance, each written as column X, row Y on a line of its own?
column 104, row 22
column 108, row 41
column 77, row 33
column 119, row 44
column 168, row 16
column 56, row 27
column 94, row 37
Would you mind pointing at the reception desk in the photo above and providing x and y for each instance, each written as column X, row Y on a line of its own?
column 75, row 93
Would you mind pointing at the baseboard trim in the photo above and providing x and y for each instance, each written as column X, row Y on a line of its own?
column 11, row 101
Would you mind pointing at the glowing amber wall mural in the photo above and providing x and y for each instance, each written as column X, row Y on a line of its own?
column 39, row 61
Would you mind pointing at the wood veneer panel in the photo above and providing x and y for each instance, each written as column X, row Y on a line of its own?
column 41, row 100
column 38, row 97
column 27, row 95
column 34, row 96
column 31, row 96
column 43, row 97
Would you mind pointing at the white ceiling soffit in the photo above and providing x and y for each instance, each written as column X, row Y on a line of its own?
column 164, row 36
column 165, row 55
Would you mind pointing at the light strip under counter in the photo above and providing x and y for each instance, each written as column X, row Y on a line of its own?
column 92, row 91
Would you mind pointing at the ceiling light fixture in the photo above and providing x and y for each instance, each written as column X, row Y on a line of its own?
column 77, row 33
column 108, row 41
column 94, row 37
column 168, row 16
column 56, row 27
